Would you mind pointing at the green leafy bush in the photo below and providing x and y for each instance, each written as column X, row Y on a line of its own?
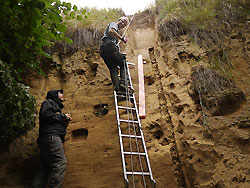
column 17, row 107
column 26, row 26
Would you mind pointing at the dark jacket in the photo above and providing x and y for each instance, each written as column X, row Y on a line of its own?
column 109, row 46
column 51, row 121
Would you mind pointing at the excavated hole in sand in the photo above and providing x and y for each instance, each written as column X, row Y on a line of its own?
column 101, row 110
column 79, row 134
column 172, row 86
column 149, row 80
column 158, row 134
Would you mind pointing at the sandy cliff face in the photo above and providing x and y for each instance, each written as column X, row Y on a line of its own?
column 184, row 149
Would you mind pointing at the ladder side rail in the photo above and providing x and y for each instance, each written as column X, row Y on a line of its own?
column 120, row 139
column 137, row 146
column 130, row 80
column 144, row 145
column 128, row 102
column 147, row 158
column 139, row 156
column 131, row 157
column 143, row 140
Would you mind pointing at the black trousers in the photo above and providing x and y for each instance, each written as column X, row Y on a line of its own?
column 52, row 164
column 114, row 60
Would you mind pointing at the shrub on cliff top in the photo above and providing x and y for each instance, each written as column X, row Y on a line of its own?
column 97, row 18
column 87, row 30
column 203, row 20
column 217, row 94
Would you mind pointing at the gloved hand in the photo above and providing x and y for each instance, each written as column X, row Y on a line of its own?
column 124, row 39
column 68, row 117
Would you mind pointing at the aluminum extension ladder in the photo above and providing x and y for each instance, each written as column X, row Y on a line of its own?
column 135, row 161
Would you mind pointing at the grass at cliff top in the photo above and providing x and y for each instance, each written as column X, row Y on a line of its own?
column 97, row 19
column 202, row 13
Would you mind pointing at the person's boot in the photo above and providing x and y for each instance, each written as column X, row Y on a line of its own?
column 131, row 90
column 116, row 88
column 122, row 87
column 121, row 91
column 124, row 56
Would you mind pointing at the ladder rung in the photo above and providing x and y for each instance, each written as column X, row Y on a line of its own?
column 129, row 121
column 133, row 153
column 138, row 173
column 131, row 95
column 124, row 107
column 131, row 136
column 129, row 63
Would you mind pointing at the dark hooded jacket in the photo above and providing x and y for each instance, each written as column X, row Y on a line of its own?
column 51, row 121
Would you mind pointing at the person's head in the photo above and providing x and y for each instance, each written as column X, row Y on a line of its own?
column 60, row 95
column 123, row 22
column 55, row 94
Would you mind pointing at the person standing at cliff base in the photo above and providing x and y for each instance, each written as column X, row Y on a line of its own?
column 110, row 52
column 52, row 130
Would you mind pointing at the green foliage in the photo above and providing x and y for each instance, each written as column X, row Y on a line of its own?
column 27, row 26
column 221, row 64
column 98, row 19
column 203, row 14
column 206, row 22
column 150, row 6
column 86, row 29
column 17, row 107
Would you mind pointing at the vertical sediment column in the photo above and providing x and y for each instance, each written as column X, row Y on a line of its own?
column 167, row 121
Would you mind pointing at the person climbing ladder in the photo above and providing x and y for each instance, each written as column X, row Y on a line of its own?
column 113, row 58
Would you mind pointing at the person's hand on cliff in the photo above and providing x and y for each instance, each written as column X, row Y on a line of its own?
column 124, row 39
column 68, row 117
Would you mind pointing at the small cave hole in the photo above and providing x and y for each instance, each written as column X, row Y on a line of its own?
column 101, row 110
column 158, row 134
column 80, row 72
column 154, row 125
column 180, row 127
column 149, row 80
column 94, row 67
column 172, row 85
column 151, row 49
column 164, row 142
column 178, row 109
column 79, row 134
column 190, row 157
column 108, row 84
